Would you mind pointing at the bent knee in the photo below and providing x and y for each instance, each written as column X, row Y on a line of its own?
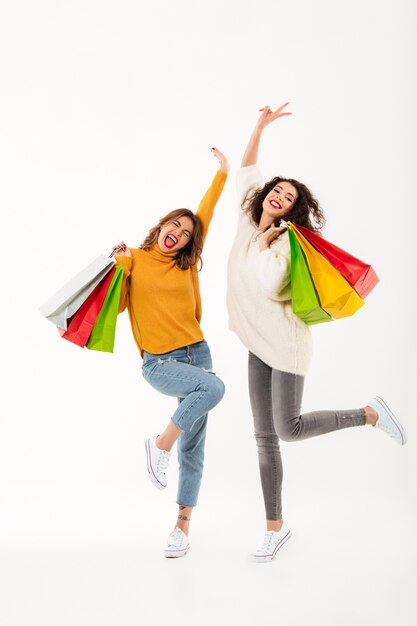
column 218, row 388
column 288, row 435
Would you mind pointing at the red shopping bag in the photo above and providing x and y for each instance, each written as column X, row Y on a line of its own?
column 81, row 324
column 359, row 274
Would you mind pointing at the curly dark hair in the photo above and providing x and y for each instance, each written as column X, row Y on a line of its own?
column 191, row 253
column 306, row 210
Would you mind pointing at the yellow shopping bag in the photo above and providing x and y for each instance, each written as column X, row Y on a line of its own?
column 336, row 296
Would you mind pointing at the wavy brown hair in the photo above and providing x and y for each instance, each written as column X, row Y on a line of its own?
column 306, row 210
column 191, row 253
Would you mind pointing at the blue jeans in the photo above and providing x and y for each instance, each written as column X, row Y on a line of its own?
column 186, row 374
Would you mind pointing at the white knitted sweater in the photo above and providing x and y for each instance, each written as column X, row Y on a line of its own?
column 259, row 292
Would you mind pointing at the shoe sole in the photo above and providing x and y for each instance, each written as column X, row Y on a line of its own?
column 173, row 554
column 394, row 419
column 270, row 557
column 152, row 476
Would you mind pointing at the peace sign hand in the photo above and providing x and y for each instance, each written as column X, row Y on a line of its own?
column 268, row 116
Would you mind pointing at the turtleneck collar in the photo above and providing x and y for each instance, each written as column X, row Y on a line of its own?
column 164, row 257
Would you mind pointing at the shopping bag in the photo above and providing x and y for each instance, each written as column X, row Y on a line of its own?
column 336, row 296
column 66, row 302
column 305, row 302
column 359, row 274
column 104, row 330
column 81, row 324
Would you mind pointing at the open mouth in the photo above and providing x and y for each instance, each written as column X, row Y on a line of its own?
column 275, row 204
column 170, row 241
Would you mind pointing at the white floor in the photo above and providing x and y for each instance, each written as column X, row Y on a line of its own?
column 336, row 569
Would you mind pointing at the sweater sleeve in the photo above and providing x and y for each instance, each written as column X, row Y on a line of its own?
column 248, row 178
column 274, row 271
column 206, row 207
column 126, row 262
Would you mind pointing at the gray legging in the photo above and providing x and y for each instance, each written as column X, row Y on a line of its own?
column 275, row 398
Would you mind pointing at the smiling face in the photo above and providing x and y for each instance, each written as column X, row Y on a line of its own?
column 175, row 234
column 279, row 201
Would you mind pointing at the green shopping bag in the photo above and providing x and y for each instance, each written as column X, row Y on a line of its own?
column 104, row 330
column 305, row 302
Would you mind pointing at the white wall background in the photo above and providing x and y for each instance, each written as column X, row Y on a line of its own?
column 107, row 113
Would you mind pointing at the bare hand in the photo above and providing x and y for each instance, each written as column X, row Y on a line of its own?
column 269, row 236
column 122, row 249
column 269, row 116
column 224, row 164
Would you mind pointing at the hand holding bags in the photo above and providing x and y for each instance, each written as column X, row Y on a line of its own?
column 329, row 272
column 85, row 309
column 66, row 302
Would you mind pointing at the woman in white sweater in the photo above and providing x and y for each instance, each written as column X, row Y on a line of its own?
column 279, row 343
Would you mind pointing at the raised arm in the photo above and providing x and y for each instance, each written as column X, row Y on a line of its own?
column 267, row 116
column 206, row 207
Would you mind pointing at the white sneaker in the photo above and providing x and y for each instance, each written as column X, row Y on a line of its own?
column 157, row 463
column 387, row 421
column 273, row 541
column 177, row 545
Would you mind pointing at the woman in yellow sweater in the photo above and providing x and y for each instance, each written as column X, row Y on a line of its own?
column 161, row 292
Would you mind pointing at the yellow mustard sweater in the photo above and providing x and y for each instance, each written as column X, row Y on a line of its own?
column 163, row 301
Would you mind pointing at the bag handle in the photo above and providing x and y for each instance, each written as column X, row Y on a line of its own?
column 113, row 252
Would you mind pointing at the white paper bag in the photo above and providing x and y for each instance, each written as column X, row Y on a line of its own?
column 66, row 302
